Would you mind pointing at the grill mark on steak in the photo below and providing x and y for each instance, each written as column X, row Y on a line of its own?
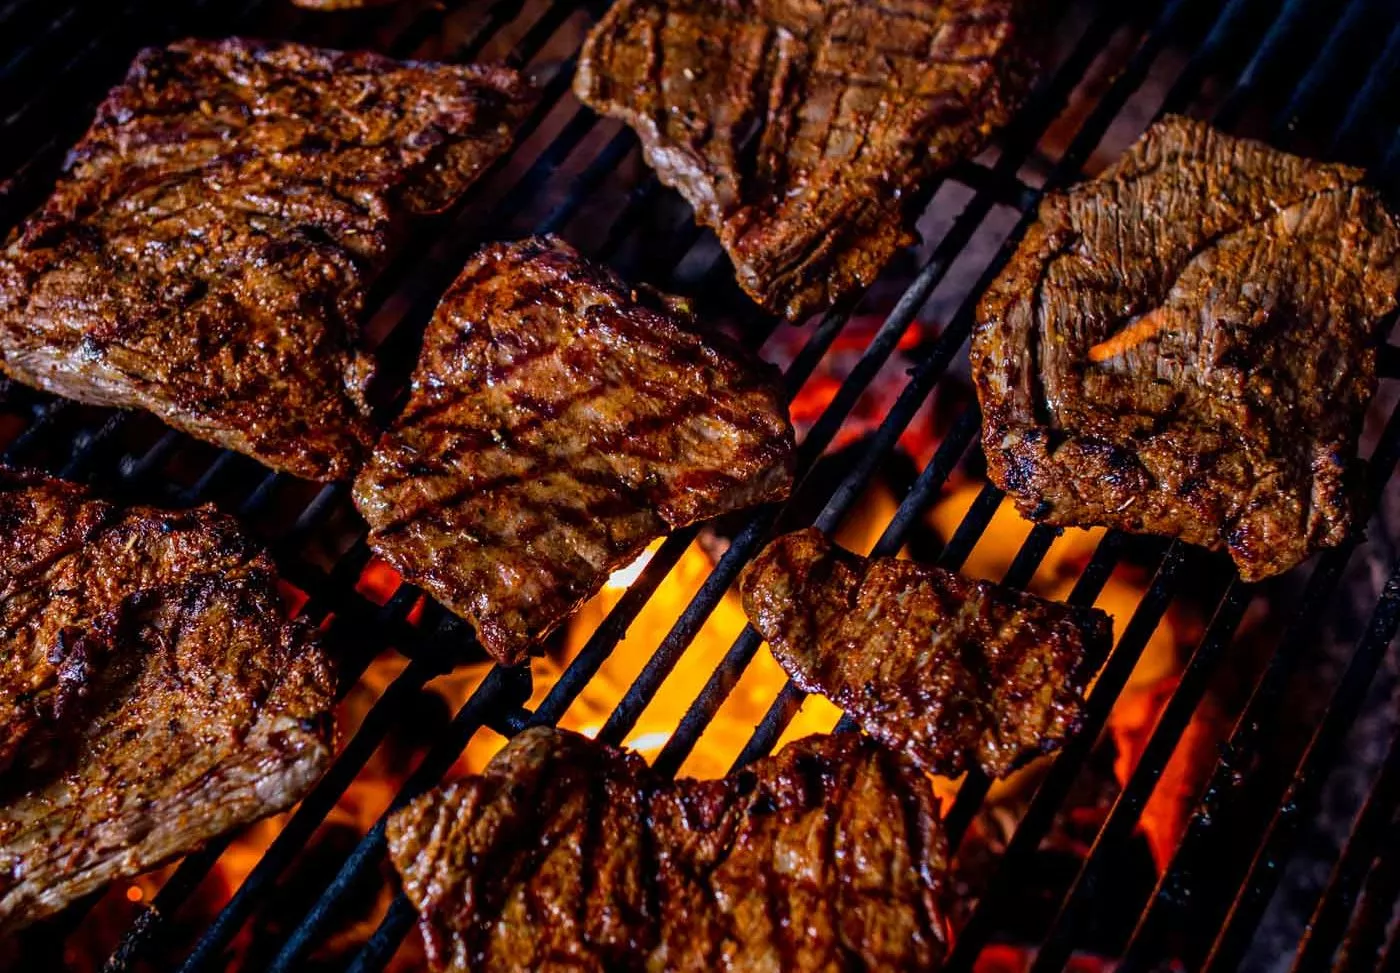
column 207, row 254
column 1231, row 421
column 555, row 427
column 804, row 134
column 152, row 696
column 950, row 671
column 826, row 856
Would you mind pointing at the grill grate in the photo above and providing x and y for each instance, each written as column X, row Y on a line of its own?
column 1273, row 67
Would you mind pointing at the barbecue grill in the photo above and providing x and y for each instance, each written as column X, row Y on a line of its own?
column 1318, row 76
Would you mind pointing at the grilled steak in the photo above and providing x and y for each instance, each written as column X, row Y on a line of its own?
column 207, row 254
column 556, row 425
column 152, row 696
column 953, row 672
column 566, row 854
column 1186, row 346
column 339, row 4
column 803, row 132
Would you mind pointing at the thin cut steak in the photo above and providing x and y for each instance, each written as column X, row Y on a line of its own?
column 567, row 854
column 152, row 694
column 1186, row 346
column 803, row 133
column 557, row 424
column 339, row 4
column 207, row 254
column 953, row 672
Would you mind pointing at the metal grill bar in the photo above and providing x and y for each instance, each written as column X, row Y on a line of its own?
column 1374, row 826
column 1362, row 951
column 1303, row 793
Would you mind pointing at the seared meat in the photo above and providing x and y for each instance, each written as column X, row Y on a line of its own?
column 339, row 4
column 207, row 254
column 1186, row 346
column 953, row 672
column 566, row 854
column 803, row 132
column 152, row 696
column 555, row 427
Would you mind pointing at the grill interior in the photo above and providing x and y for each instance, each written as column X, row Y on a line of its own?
column 1316, row 76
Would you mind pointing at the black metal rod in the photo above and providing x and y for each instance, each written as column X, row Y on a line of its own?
column 1373, row 827
column 1301, row 798
column 501, row 685
column 1366, row 937
column 387, row 710
column 1194, row 859
column 1055, row 949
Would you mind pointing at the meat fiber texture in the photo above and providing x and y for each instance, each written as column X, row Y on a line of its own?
column 153, row 695
column 806, row 133
column 558, row 422
column 953, row 672
column 1186, row 346
column 207, row 253
column 570, row 855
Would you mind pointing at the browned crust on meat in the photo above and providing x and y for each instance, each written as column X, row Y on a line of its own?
column 341, row 4
column 802, row 133
column 152, row 694
column 567, row 853
column 951, row 671
column 207, row 254
column 558, row 424
column 1234, row 424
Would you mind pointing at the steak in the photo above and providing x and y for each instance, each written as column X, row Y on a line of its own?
column 803, row 133
column 567, row 854
column 152, row 695
column 955, row 673
column 207, row 253
column 1186, row 346
column 339, row 4
column 557, row 424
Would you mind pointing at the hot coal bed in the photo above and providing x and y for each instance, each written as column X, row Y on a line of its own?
column 1231, row 798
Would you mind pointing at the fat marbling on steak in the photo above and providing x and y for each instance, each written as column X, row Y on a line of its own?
column 802, row 133
column 954, row 672
column 1186, row 346
column 206, row 254
column 568, row 854
column 152, row 693
column 558, row 422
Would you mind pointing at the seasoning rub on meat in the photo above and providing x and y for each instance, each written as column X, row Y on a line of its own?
column 206, row 255
column 152, row 694
column 1186, row 346
column 557, row 424
column 567, row 854
column 802, row 133
column 953, row 672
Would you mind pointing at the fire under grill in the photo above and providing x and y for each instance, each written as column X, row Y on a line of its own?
column 1279, row 680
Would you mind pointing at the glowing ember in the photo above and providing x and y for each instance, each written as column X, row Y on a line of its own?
column 622, row 578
